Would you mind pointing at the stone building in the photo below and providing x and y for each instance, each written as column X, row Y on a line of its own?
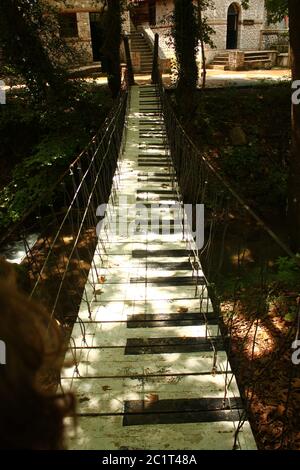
column 238, row 31
column 235, row 27
column 81, row 25
column 239, row 34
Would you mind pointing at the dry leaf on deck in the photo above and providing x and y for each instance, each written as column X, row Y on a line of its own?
column 152, row 397
column 182, row 310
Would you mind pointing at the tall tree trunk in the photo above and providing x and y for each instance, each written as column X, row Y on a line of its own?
column 186, row 41
column 202, row 45
column 130, row 73
column 112, row 45
column 294, row 167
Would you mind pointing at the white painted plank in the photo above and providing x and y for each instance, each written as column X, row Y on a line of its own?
column 100, row 434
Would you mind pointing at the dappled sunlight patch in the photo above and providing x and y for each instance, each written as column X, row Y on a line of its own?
column 247, row 256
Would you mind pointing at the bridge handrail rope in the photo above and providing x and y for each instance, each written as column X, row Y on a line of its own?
column 194, row 252
column 96, row 140
column 175, row 128
column 200, row 182
column 84, row 186
column 72, row 167
column 170, row 116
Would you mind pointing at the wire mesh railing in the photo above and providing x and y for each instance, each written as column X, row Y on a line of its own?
column 253, row 281
column 57, row 265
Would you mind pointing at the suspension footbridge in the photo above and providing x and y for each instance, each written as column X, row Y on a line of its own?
column 149, row 317
column 147, row 362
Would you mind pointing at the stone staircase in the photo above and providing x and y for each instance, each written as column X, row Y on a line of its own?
column 139, row 46
column 220, row 62
column 253, row 60
column 257, row 59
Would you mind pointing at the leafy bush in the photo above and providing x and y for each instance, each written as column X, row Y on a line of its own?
column 249, row 168
column 288, row 270
column 50, row 138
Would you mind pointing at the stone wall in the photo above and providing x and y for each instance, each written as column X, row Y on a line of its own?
column 251, row 23
column 83, row 43
column 249, row 34
column 164, row 9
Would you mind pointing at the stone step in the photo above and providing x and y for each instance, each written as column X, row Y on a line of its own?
column 258, row 61
column 140, row 47
column 220, row 62
column 217, row 67
column 222, row 59
column 257, row 56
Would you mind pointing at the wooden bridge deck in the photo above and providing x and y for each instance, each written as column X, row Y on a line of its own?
column 142, row 362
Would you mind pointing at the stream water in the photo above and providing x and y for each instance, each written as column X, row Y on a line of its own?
column 14, row 252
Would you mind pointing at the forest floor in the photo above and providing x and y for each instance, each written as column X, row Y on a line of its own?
column 245, row 134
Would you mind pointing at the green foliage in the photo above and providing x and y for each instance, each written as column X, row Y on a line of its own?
column 288, row 270
column 35, row 176
column 286, row 281
column 264, row 183
column 29, row 35
column 205, row 31
column 291, row 316
column 277, row 10
column 258, row 169
column 60, row 134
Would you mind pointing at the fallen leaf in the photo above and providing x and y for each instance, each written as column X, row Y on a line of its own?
column 152, row 397
column 105, row 388
column 296, row 383
column 102, row 279
column 182, row 310
column 83, row 399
